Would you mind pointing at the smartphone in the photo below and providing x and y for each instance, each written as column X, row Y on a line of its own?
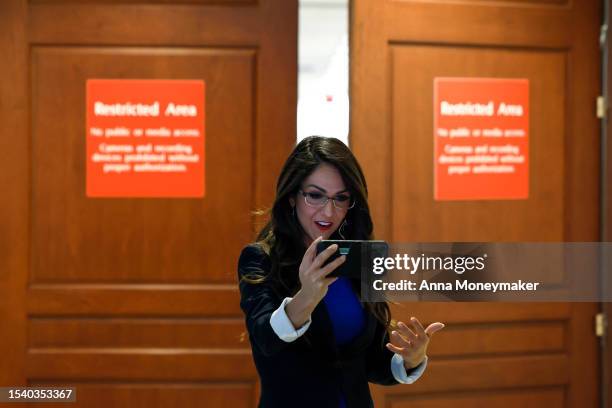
column 358, row 254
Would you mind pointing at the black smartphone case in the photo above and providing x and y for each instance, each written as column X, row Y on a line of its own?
column 358, row 254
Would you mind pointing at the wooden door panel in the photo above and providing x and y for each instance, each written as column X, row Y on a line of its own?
column 133, row 332
column 474, row 375
column 160, row 395
column 73, row 365
column 531, row 397
column 104, row 24
column 495, row 338
column 489, row 22
column 78, row 239
column 493, row 220
column 105, row 300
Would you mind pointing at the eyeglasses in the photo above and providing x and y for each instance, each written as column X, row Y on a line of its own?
column 316, row 199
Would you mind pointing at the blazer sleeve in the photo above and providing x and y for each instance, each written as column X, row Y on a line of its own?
column 378, row 357
column 258, row 301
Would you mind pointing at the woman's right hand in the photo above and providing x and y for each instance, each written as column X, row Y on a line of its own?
column 313, row 275
column 314, row 281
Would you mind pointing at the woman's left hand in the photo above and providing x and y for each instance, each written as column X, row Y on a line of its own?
column 412, row 344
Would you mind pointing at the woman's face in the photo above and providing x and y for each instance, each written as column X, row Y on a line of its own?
column 325, row 180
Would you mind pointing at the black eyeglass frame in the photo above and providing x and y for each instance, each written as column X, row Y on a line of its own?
column 327, row 198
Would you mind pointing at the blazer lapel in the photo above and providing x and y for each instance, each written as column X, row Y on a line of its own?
column 321, row 335
column 322, row 332
column 358, row 345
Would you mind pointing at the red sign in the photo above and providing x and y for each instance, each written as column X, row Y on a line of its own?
column 145, row 138
column 481, row 139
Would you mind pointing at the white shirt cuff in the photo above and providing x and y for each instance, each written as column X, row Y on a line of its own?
column 283, row 327
column 399, row 371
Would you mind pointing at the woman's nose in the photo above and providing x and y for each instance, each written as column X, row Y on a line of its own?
column 328, row 209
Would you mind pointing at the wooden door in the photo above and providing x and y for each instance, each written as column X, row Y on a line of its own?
column 606, row 233
column 497, row 354
column 134, row 301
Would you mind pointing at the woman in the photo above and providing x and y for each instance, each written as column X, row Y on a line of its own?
column 314, row 343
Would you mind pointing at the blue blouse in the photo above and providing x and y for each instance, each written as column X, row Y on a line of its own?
column 345, row 311
column 346, row 314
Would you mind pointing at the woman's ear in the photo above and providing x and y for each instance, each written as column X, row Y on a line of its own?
column 291, row 202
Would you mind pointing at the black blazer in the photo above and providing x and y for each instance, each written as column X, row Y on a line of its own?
column 310, row 371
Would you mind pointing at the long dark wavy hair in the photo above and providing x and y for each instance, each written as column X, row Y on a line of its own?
column 282, row 238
